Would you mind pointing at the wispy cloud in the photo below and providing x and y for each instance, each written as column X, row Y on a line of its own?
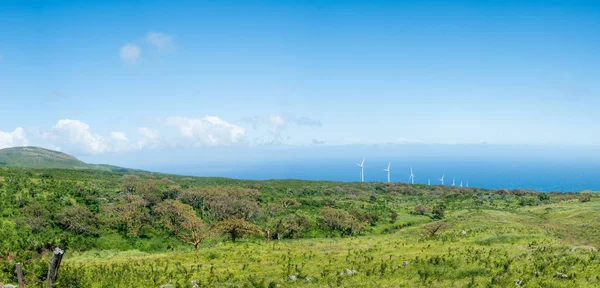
column 318, row 142
column 161, row 41
column 276, row 124
column 130, row 53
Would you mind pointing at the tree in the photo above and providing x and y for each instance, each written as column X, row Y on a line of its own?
column 128, row 216
column 172, row 214
column 181, row 219
column 342, row 221
column 421, row 209
column 291, row 226
column 218, row 203
column 438, row 211
column 36, row 216
column 237, row 228
column 194, row 231
column 393, row 217
column 289, row 202
column 434, row 229
column 78, row 219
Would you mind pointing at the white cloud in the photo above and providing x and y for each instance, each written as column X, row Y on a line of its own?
column 76, row 135
column 207, row 131
column 407, row 141
column 13, row 139
column 318, row 142
column 149, row 133
column 150, row 138
column 276, row 124
column 161, row 41
column 119, row 136
column 130, row 53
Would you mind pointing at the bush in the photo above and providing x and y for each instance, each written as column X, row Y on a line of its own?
column 237, row 228
column 342, row 221
column 291, row 226
column 78, row 219
column 585, row 198
column 421, row 209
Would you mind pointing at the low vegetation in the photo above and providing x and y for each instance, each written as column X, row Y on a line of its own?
column 136, row 229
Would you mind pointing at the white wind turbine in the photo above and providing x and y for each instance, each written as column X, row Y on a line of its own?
column 411, row 178
column 388, row 171
column 362, row 170
column 467, row 184
column 429, row 181
column 453, row 184
column 460, row 183
column 442, row 179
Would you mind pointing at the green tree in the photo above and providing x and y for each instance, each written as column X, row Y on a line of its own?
column 78, row 219
column 237, row 228
column 342, row 221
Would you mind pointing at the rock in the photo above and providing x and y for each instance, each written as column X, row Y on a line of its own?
column 8, row 286
column 293, row 277
column 561, row 275
column 195, row 284
column 463, row 232
column 405, row 263
column 518, row 282
column 348, row 272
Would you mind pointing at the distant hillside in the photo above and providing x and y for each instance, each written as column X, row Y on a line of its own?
column 36, row 157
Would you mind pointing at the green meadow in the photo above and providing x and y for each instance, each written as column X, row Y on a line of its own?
column 155, row 230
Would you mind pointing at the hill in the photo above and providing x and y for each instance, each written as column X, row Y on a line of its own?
column 36, row 157
column 150, row 230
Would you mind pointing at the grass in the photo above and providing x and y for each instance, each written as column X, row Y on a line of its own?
column 498, row 248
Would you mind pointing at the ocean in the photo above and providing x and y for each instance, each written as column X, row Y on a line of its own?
column 561, row 175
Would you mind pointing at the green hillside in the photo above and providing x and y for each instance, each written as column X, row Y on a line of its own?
column 36, row 157
column 149, row 230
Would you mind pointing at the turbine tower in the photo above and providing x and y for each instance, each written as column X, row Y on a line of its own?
column 362, row 170
column 429, row 181
column 460, row 183
column 411, row 178
column 388, row 171
column 442, row 179
column 453, row 184
column 467, row 184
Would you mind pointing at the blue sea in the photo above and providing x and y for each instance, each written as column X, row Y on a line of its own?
column 562, row 175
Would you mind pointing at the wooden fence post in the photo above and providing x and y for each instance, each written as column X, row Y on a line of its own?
column 20, row 276
column 54, row 265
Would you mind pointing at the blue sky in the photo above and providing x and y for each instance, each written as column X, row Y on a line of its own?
column 108, row 79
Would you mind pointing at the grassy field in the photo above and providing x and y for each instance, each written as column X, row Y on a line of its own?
column 137, row 229
column 551, row 246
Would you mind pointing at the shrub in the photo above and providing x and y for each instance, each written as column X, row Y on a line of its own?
column 218, row 203
column 342, row 221
column 291, row 226
column 78, row 219
column 421, row 209
column 236, row 228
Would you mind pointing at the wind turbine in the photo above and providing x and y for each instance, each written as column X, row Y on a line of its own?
column 388, row 171
column 460, row 183
column 411, row 178
column 362, row 170
column 429, row 181
column 453, row 182
column 442, row 179
column 467, row 184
